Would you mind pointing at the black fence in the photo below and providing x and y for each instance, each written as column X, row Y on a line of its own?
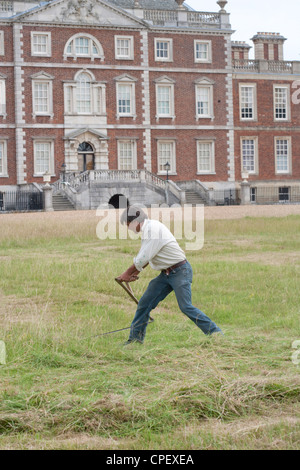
column 275, row 195
column 227, row 197
column 21, row 201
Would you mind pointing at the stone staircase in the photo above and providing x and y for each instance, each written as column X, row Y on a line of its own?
column 192, row 197
column 61, row 203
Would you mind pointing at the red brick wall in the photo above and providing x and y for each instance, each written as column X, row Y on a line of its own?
column 186, row 153
column 266, row 128
column 183, row 51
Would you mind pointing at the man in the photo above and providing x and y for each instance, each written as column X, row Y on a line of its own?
column 160, row 249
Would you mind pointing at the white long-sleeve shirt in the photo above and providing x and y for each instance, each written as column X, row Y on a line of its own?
column 159, row 247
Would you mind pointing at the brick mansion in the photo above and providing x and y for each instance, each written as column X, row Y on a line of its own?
column 133, row 96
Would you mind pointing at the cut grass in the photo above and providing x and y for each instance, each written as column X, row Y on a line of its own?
column 64, row 388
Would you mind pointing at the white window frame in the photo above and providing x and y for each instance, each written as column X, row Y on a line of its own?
column 210, row 114
column 165, row 82
column 212, row 169
column 2, row 97
column 133, row 145
column 171, row 160
column 254, row 98
column 50, row 142
column 289, row 156
column 169, row 43
column 2, row 48
column 130, row 55
column 198, row 60
column 48, row 44
column 45, row 79
column 98, row 99
column 288, row 102
column 3, row 170
column 256, row 159
column 91, row 39
column 126, row 80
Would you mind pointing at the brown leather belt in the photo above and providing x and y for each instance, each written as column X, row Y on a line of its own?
column 168, row 270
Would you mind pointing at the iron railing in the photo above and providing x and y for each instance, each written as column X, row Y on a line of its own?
column 275, row 194
column 226, row 197
column 21, row 201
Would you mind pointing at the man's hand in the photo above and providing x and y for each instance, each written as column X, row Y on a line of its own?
column 127, row 278
column 130, row 275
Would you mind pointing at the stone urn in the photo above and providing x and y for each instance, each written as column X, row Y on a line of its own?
column 222, row 4
column 180, row 2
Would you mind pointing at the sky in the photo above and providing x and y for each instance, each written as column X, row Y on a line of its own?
column 248, row 17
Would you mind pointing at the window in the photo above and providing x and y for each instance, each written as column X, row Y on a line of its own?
column 6, row 6
column 166, row 152
column 204, row 101
column 2, row 97
column 125, row 96
column 84, row 95
column 83, row 46
column 163, row 50
column 204, row 98
column 41, row 97
column 3, row 158
column 165, row 98
column 253, row 194
column 1, row 42
column 124, row 99
column 124, row 48
column 42, row 102
column 41, row 44
column 248, row 102
column 249, row 155
column 205, row 157
column 43, row 157
column 202, row 51
column 281, row 103
column 284, row 194
column 126, row 155
column 282, row 155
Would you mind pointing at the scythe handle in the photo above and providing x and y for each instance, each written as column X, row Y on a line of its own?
column 128, row 289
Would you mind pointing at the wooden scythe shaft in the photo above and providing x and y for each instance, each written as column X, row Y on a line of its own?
column 129, row 291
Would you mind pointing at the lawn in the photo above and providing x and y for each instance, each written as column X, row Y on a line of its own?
column 64, row 387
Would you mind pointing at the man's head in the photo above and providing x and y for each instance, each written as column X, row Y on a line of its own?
column 133, row 217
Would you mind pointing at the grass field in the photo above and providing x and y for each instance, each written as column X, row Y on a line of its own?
column 62, row 389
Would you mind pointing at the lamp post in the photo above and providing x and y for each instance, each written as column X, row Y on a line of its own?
column 167, row 168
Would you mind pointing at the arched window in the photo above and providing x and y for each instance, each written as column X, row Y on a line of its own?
column 83, row 46
column 84, row 95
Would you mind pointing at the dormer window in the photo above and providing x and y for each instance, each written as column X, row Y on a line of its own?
column 6, row 6
column 84, row 46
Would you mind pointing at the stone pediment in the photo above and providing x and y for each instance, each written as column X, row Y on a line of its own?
column 87, row 12
column 81, row 132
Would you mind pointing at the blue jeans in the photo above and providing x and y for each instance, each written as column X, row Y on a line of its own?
column 179, row 280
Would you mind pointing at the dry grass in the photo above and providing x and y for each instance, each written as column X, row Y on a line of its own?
column 64, row 389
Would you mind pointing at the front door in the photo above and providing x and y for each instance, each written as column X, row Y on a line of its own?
column 86, row 157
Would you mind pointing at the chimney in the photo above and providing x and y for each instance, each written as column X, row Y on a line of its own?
column 268, row 46
column 240, row 50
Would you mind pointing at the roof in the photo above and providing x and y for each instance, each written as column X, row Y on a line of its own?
column 148, row 4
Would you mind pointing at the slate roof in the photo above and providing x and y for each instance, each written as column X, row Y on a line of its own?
column 148, row 4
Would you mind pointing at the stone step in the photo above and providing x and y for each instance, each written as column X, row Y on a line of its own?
column 192, row 197
column 61, row 203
